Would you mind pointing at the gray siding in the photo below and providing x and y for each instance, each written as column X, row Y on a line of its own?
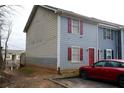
column 88, row 39
column 41, row 39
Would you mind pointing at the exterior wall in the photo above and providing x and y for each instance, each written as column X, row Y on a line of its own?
column 85, row 41
column 41, row 39
column 107, row 43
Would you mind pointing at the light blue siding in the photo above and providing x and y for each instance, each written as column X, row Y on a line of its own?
column 88, row 39
column 107, row 43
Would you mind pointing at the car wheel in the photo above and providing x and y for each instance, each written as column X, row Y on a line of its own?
column 121, row 81
column 83, row 74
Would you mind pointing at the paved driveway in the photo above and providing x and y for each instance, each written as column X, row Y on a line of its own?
column 80, row 83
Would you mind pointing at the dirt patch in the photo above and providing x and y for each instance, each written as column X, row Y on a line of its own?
column 32, row 77
column 4, row 78
column 37, row 70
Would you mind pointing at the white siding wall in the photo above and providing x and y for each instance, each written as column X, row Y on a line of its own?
column 41, row 37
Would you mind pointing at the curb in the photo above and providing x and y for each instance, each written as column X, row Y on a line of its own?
column 65, row 86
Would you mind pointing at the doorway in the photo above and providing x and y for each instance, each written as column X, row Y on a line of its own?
column 91, row 56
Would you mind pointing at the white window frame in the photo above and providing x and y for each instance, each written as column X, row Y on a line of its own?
column 72, row 61
column 78, row 27
column 109, row 53
column 108, row 34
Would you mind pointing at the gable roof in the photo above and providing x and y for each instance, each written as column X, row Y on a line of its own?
column 70, row 13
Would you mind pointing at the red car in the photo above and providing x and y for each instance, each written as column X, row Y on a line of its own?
column 109, row 69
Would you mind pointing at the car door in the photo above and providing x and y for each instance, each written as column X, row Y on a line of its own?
column 110, row 70
column 96, row 70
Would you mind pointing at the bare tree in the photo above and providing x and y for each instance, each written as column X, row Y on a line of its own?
column 6, row 11
column 1, row 27
column 9, row 30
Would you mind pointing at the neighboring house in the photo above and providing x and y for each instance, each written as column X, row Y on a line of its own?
column 12, row 54
column 66, row 40
column 12, row 58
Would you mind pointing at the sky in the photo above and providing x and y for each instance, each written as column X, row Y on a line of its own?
column 109, row 10
column 17, row 38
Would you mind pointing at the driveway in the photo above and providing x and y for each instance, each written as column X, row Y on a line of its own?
column 81, row 83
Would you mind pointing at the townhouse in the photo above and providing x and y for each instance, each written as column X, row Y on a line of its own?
column 65, row 40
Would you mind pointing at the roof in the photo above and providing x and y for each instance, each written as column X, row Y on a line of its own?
column 69, row 13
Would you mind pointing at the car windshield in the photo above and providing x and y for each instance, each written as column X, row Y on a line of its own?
column 112, row 64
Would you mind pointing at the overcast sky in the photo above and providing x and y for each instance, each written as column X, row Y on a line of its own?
column 17, row 38
column 109, row 10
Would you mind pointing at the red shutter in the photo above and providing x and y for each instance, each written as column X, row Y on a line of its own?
column 69, row 54
column 81, row 54
column 81, row 27
column 69, row 25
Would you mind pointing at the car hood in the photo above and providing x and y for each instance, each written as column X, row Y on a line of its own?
column 85, row 67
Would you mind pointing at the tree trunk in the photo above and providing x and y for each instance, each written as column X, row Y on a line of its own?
column 5, row 54
column 1, row 57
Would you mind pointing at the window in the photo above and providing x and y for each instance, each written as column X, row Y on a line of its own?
column 100, row 64
column 75, row 54
column 108, row 54
column 108, row 34
column 112, row 64
column 75, row 26
column 122, row 65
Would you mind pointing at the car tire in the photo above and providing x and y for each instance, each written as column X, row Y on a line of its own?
column 83, row 74
column 121, row 81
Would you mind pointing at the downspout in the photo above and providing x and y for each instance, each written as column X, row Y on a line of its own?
column 58, row 43
column 97, row 42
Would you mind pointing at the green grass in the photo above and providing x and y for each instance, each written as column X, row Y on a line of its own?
column 27, row 70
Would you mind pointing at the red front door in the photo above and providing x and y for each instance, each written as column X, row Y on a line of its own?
column 91, row 56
